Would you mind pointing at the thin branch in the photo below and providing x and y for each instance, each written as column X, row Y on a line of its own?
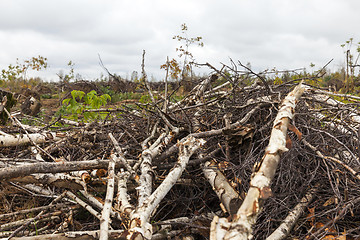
column 37, row 216
column 263, row 80
column 288, row 223
column 121, row 154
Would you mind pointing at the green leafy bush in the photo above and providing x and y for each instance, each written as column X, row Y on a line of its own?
column 74, row 107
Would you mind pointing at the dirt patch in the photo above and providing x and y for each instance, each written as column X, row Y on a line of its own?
column 50, row 106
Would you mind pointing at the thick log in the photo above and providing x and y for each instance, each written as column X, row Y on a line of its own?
column 15, row 140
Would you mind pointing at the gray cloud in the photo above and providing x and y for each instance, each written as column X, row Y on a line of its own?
column 280, row 33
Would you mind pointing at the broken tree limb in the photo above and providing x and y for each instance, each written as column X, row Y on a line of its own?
column 96, row 203
column 333, row 159
column 105, row 214
column 123, row 197
column 139, row 223
column 17, row 122
column 60, row 180
column 225, row 192
column 9, row 140
column 84, row 205
column 36, row 190
column 288, row 223
column 121, row 154
column 241, row 226
column 46, row 167
column 145, row 188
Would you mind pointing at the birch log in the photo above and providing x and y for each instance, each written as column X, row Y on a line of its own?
column 123, row 203
column 105, row 214
column 9, row 140
column 145, row 188
column 259, row 191
column 225, row 192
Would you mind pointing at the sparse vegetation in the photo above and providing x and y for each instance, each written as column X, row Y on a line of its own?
column 15, row 76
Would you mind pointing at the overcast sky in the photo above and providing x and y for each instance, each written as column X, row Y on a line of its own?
column 285, row 34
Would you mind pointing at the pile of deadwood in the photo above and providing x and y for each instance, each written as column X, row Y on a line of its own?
column 228, row 161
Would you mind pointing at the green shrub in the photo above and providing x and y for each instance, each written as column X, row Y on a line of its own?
column 74, row 107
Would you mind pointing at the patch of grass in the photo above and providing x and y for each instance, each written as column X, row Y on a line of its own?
column 119, row 96
column 46, row 96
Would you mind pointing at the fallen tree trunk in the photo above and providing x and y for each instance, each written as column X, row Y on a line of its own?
column 11, row 140
column 264, row 171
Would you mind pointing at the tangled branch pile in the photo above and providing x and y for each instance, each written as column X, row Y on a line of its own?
column 228, row 161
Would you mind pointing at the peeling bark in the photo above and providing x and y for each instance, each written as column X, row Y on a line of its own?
column 241, row 226
column 225, row 192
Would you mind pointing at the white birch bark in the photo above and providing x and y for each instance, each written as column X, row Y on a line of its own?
column 105, row 214
column 288, row 223
column 84, row 205
column 123, row 197
column 147, row 156
column 225, row 192
column 9, row 140
column 121, row 154
column 58, row 179
column 241, row 226
column 139, row 224
column 39, row 190
column 186, row 150
column 201, row 87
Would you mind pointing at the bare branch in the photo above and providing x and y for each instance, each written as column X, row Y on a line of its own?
column 288, row 223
